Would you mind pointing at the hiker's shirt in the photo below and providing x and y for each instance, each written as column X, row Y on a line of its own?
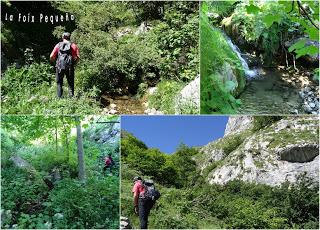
column 74, row 51
column 138, row 189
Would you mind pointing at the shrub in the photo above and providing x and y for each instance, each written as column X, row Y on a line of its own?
column 164, row 97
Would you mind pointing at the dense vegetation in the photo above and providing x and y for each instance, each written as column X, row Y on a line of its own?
column 42, row 183
column 125, row 48
column 188, row 201
column 274, row 32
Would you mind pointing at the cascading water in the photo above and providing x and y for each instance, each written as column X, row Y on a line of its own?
column 250, row 74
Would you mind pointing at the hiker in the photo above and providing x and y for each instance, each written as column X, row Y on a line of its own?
column 108, row 163
column 67, row 54
column 144, row 197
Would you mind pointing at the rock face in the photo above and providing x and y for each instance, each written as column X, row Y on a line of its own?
column 272, row 155
column 238, row 124
column 188, row 100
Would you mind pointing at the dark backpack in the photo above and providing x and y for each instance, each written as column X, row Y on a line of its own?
column 150, row 192
column 64, row 60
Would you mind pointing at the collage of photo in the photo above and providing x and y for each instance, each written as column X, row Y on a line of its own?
column 160, row 114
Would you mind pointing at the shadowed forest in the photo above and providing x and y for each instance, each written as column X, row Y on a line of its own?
column 135, row 57
column 52, row 172
column 259, row 57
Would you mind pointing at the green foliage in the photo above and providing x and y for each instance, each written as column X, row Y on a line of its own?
column 217, row 91
column 47, row 193
column 260, row 122
column 122, row 44
column 164, row 97
column 92, row 206
column 237, row 204
column 31, row 89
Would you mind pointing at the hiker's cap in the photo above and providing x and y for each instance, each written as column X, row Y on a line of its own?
column 66, row 35
column 136, row 178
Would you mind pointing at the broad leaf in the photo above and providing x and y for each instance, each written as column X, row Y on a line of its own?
column 270, row 19
column 297, row 45
column 252, row 9
column 313, row 33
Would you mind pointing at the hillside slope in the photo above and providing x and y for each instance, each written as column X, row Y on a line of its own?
column 273, row 154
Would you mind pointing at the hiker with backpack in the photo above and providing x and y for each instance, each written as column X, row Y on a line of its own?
column 108, row 163
column 144, row 196
column 66, row 55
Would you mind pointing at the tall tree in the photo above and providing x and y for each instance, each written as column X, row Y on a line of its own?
column 80, row 151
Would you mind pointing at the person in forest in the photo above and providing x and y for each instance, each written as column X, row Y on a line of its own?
column 66, row 55
column 144, row 197
column 108, row 163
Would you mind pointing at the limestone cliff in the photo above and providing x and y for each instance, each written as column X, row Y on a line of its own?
column 270, row 155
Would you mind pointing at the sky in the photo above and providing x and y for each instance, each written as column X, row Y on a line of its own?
column 167, row 132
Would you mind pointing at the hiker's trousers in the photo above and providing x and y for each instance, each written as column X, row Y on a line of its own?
column 144, row 211
column 69, row 73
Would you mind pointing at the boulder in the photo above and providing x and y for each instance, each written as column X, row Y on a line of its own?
column 187, row 100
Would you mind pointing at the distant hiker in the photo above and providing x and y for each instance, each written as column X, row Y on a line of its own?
column 144, row 197
column 68, row 56
column 108, row 163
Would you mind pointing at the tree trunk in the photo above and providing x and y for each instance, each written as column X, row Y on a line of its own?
column 80, row 151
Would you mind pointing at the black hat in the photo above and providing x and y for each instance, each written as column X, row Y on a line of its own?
column 136, row 178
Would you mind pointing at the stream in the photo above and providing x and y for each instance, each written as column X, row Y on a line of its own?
column 124, row 105
column 268, row 90
column 270, row 94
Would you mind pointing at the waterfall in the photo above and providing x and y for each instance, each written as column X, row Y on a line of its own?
column 249, row 73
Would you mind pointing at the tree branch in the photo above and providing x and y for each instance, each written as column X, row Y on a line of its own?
column 306, row 14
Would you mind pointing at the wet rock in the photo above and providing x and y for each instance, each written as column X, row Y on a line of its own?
column 312, row 105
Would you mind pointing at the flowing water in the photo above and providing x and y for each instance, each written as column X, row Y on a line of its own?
column 266, row 92
column 269, row 94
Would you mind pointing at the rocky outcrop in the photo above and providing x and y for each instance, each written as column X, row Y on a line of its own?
column 237, row 124
column 271, row 155
column 299, row 153
column 188, row 99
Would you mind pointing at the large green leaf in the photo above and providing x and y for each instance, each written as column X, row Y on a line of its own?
column 313, row 33
column 308, row 50
column 297, row 45
column 269, row 19
column 252, row 9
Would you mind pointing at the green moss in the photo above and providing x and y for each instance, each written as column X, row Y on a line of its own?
column 211, row 167
column 231, row 142
column 285, row 137
column 258, row 164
